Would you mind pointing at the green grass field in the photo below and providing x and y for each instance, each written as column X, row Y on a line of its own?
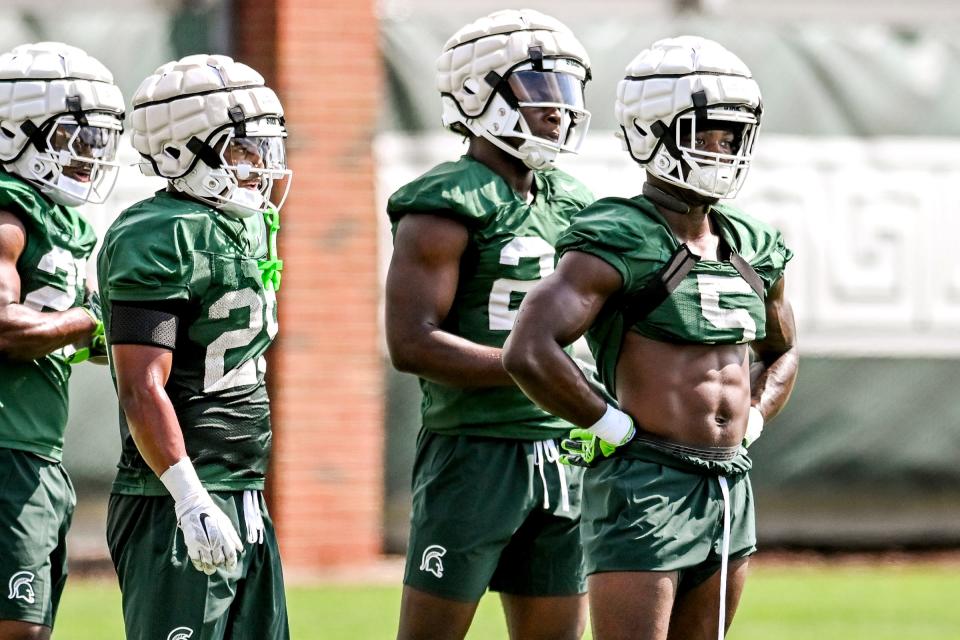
column 837, row 601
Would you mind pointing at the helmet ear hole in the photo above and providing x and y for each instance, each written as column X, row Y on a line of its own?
column 6, row 132
column 173, row 152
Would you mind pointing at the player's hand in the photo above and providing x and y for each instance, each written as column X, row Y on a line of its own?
column 584, row 449
column 211, row 538
column 94, row 347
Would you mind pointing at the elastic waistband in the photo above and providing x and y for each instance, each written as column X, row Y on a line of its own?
column 711, row 454
column 702, row 460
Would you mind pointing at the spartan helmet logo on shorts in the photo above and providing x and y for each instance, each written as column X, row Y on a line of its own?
column 180, row 633
column 21, row 587
column 432, row 560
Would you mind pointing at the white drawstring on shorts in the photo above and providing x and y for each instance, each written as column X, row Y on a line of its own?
column 545, row 451
column 725, row 555
column 252, row 516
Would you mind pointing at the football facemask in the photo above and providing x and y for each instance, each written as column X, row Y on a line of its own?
column 77, row 164
column 715, row 169
column 544, row 110
column 249, row 174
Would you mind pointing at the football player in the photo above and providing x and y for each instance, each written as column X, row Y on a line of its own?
column 188, row 279
column 492, row 506
column 674, row 290
column 60, row 117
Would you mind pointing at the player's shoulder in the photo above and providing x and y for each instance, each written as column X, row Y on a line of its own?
column 628, row 219
column 753, row 238
column 65, row 225
column 564, row 187
column 759, row 242
column 466, row 189
column 159, row 216
column 23, row 200
column 161, row 228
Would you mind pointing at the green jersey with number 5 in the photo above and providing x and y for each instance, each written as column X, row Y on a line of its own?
column 511, row 248
column 52, row 272
column 173, row 251
column 713, row 304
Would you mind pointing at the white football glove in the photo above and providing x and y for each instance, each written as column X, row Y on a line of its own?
column 211, row 539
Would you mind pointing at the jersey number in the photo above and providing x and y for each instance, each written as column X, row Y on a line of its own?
column 502, row 316
column 215, row 375
column 710, row 289
column 49, row 297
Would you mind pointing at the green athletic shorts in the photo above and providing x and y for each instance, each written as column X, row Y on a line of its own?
column 647, row 510
column 165, row 598
column 493, row 512
column 36, row 507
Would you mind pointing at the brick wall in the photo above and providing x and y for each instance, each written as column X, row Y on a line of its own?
column 326, row 487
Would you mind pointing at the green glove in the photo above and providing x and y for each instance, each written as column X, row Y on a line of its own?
column 586, row 447
column 583, row 449
column 96, row 350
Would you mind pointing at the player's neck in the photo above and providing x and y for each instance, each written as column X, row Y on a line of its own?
column 516, row 174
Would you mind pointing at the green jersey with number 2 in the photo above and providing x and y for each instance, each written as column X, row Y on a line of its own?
column 712, row 305
column 52, row 271
column 511, row 248
column 173, row 250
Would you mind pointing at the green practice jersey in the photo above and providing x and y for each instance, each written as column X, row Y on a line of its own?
column 713, row 304
column 52, row 272
column 511, row 248
column 175, row 250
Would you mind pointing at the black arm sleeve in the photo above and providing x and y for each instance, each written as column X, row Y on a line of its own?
column 147, row 325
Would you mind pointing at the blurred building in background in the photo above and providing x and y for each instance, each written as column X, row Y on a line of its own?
column 855, row 166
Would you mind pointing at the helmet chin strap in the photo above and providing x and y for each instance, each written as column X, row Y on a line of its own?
column 660, row 197
column 719, row 181
column 532, row 155
column 70, row 192
column 536, row 156
column 243, row 203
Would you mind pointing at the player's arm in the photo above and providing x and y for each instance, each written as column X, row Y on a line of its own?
column 26, row 334
column 142, row 372
column 421, row 285
column 777, row 356
column 143, row 340
column 554, row 314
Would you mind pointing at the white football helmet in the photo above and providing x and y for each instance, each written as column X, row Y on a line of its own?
column 492, row 68
column 676, row 89
column 210, row 126
column 60, row 118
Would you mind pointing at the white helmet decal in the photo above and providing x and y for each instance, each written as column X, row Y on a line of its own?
column 194, row 118
column 509, row 60
column 60, row 118
column 669, row 91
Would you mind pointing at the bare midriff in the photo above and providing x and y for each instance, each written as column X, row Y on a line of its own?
column 692, row 394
